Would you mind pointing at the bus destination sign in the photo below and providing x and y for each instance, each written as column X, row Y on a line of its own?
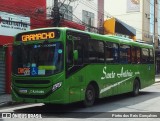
column 37, row 35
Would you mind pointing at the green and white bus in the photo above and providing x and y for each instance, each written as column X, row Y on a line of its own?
column 61, row 65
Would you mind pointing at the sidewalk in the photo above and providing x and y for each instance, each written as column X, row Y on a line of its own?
column 157, row 78
column 5, row 99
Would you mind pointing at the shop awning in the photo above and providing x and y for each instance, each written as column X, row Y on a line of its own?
column 124, row 28
column 114, row 25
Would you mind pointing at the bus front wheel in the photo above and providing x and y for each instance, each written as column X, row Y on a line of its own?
column 89, row 96
column 136, row 87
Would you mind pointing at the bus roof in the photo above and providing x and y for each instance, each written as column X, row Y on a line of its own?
column 110, row 38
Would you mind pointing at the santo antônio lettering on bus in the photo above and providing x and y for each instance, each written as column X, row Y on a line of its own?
column 38, row 36
column 121, row 74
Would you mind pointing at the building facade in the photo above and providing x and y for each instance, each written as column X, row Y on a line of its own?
column 143, row 16
column 83, row 13
column 16, row 16
column 135, row 13
column 156, row 30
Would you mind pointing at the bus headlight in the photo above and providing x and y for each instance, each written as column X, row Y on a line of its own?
column 56, row 86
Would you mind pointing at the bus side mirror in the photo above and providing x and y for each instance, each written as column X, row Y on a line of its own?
column 75, row 55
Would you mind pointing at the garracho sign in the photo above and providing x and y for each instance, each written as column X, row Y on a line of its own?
column 11, row 24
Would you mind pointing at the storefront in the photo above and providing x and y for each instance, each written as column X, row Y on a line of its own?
column 10, row 25
column 16, row 16
column 2, row 70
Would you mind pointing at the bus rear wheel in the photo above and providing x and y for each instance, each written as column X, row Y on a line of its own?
column 90, row 96
column 136, row 87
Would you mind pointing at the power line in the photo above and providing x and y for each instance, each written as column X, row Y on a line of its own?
column 104, row 13
column 95, row 9
column 142, row 31
column 33, row 17
column 83, row 23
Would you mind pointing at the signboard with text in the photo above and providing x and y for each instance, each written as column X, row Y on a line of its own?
column 11, row 24
column 133, row 5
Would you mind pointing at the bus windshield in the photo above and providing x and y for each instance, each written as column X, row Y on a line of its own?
column 38, row 59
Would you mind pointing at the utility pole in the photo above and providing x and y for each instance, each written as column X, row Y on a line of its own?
column 154, row 35
column 55, row 14
column 89, row 24
column 154, row 28
column 100, row 16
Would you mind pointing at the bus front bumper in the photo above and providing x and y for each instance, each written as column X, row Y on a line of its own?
column 56, row 97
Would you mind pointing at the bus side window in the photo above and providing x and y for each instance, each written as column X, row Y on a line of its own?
column 145, row 55
column 116, row 53
column 92, row 51
column 100, row 52
column 138, row 54
column 69, row 52
column 129, row 54
column 133, row 51
column 151, row 56
column 124, row 55
column 78, row 45
column 96, row 51
column 111, row 52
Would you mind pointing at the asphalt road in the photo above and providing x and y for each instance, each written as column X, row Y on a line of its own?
column 110, row 108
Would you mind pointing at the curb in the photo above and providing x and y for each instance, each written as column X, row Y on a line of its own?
column 3, row 104
column 157, row 82
column 9, row 103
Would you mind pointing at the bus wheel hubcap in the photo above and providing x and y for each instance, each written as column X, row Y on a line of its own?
column 89, row 95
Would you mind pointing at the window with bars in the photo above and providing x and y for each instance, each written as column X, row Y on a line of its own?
column 66, row 11
column 88, row 18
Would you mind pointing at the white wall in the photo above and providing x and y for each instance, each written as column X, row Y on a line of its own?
column 78, row 6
